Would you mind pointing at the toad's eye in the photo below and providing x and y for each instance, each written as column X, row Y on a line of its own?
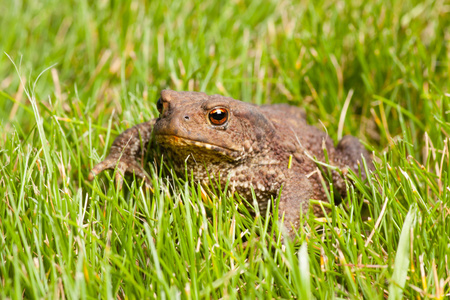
column 218, row 116
column 159, row 106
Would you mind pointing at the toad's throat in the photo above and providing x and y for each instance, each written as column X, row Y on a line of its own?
column 177, row 141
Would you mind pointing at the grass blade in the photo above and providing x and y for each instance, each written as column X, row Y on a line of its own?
column 401, row 264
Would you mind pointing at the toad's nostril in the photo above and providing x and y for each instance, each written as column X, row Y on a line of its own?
column 186, row 118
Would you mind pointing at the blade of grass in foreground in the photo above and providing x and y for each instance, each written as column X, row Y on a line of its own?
column 303, row 262
column 401, row 264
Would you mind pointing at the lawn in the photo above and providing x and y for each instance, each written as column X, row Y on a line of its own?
column 74, row 74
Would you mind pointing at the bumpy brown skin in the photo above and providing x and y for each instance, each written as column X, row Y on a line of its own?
column 251, row 149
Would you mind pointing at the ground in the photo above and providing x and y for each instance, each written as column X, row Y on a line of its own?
column 74, row 74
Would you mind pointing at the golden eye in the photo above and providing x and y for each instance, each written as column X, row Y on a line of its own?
column 218, row 116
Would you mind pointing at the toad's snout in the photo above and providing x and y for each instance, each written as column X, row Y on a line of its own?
column 178, row 122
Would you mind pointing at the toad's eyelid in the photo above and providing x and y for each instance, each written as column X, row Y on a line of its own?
column 214, row 105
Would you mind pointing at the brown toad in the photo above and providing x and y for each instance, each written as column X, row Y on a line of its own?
column 249, row 145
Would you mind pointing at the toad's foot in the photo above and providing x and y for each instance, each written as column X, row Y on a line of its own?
column 122, row 166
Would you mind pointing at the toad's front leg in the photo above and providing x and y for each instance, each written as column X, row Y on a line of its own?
column 294, row 201
column 125, row 151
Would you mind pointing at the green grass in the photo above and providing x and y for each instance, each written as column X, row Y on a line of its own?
column 74, row 74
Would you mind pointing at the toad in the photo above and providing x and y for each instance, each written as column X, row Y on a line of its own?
column 269, row 149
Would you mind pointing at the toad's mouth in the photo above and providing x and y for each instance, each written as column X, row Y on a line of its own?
column 177, row 141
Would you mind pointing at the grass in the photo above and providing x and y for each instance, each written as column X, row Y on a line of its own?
column 75, row 74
